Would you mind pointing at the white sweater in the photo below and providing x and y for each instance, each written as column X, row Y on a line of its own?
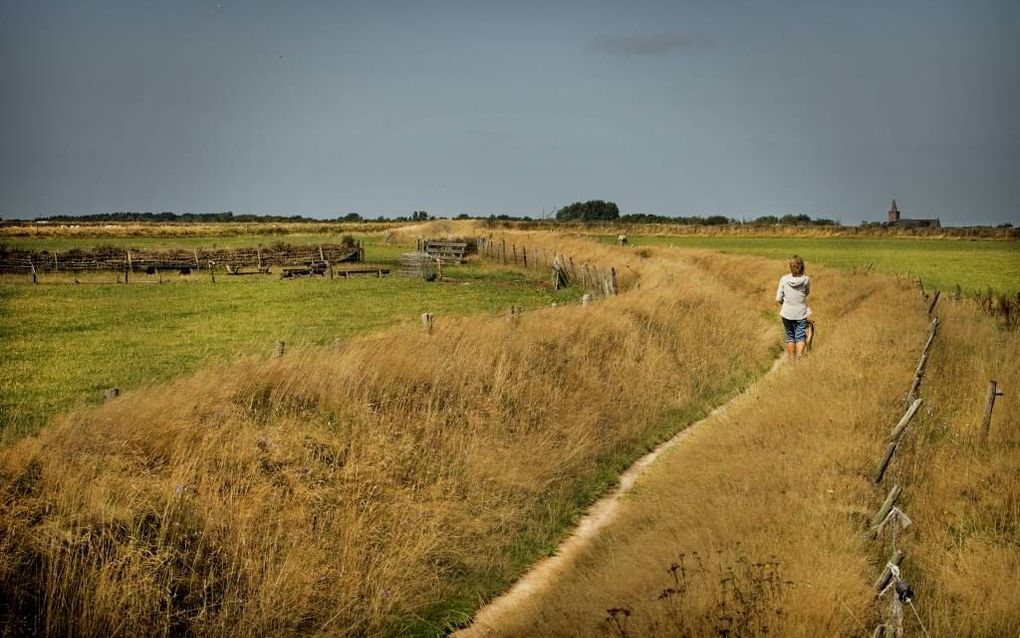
column 792, row 293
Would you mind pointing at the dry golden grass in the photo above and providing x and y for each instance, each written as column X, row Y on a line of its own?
column 964, row 497
column 383, row 485
column 754, row 525
column 371, row 488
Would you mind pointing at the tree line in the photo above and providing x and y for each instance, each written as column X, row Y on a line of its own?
column 595, row 210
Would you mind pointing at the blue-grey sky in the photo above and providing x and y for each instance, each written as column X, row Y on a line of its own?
column 739, row 108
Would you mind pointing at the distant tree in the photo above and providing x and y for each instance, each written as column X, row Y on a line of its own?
column 794, row 220
column 352, row 217
column 420, row 216
column 592, row 210
column 766, row 220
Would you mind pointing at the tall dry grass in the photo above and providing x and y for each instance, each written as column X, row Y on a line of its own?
column 755, row 525
column 964, row 496
column 373, row 488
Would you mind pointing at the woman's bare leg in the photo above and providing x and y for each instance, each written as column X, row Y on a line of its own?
column 800, row 348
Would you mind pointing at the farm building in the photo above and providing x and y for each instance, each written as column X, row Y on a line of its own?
column 894, row 219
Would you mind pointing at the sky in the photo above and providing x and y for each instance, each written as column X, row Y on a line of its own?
column 728, row 107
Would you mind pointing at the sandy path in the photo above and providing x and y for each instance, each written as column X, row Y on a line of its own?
column 542, row 576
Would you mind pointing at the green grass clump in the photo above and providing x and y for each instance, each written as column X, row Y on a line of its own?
column 943, row 264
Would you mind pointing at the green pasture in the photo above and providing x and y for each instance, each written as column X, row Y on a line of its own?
column 974, row 265
column 63, row 344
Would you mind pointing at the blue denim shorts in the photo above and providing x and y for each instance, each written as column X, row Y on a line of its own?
column 796, row 330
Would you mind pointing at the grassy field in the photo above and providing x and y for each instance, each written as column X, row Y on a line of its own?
column 66, row 343
column 383, row 486
column 388, row 484
column 974, row 265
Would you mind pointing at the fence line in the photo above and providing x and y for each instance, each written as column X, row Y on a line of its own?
column 562, row 267
column 891, row 579
column 17, row 261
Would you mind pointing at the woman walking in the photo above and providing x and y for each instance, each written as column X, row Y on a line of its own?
column 792, row 294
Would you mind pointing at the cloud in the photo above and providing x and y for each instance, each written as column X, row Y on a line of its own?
column 659, row 44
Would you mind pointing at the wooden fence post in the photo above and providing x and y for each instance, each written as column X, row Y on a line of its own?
column 918, row 375
column 886, row 574
column 278, row 349
column 884, row 463
column 524, row 253
column 35, row 278
column 514, row 246
column 905, row 421
column 585, row 299
column 934, row 301
column 986, row 420
column 427, row 322
column 111, row 393
column 887, row 504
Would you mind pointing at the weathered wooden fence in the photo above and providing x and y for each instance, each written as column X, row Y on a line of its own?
column 233, row 259
column 563, row 270
column 889, row 515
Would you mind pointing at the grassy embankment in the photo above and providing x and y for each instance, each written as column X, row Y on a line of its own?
column 755, row 525
column 974, row 265
column 385, row 484
column 65, row 343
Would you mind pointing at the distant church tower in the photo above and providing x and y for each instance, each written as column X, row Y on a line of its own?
column 894, row 213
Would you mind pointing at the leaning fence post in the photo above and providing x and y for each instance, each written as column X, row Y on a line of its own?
column 894, row 441
column 884, row 463
column 886, row 574
column 915, row 387
column 887, row 504
column 35, row 277
column 934, row 301
column 905, row 421
column 986, row 420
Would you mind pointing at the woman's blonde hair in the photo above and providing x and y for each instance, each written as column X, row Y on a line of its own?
column 796, row 266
